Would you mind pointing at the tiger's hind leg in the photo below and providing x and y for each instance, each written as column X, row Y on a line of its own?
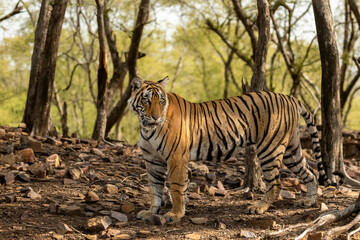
column 156, row 171
column 271, row 173
column 296, row 162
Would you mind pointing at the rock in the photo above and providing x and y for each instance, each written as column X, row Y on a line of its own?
column 221, row 225
column 54, row 208
column 211, row 190
column 97, row 152
column 33, row 195
column 122, row 237
column 323, row 207
column 7, row 159
column 284, row 194
column 220, row 192
column 97, row 224
column 220, row 185
column 248, row 195
column 72, row 210
column 7, row 178
column 246, row 234
column 2, row 133
column 143, row 233
column 54, row 160
column 91, row 197
column 193, row 187
column 27, row 155
column 316, row 236
column 38, row 169
column 192, row 236
column 23, row 177
column 194, row 196
column 211, row 177
column 69, row 181
column 62, row 229
column 127, row 207
column 57, row 236
column 93, row 209
column 113, row 232
column 110, row 189
column 199, row 221
column 119, row 216
column 22, row 125
column 157, row 220
column 91, row 237
column 35, row 144
column 10, row 198
column 75, row 173
column 263, row 223
column 53, row 141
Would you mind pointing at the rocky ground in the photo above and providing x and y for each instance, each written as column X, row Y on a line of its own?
column 71, row 188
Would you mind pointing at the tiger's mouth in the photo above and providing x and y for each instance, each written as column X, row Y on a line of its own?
column 150, row 124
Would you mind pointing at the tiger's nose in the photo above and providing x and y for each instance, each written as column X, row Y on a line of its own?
column 155, row 117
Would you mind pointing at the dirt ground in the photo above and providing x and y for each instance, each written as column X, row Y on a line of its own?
column 59, row 193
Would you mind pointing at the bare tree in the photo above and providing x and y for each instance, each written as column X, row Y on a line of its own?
column 332, row 149
column 17, row 9
column 47, row 35
column 118, row 111
column 102, row 76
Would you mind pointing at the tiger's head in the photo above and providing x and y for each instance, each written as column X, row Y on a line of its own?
column 149, row 101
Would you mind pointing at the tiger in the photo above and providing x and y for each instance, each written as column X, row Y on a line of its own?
column 174, row 131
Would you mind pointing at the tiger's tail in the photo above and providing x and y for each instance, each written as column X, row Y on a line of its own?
column 310, row 123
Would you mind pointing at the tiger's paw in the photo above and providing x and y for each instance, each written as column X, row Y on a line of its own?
column 258, row 208
column 144, row 215
column 172, row 217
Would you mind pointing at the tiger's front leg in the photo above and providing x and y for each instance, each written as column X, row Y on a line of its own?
column 178, row 176
column 156, row 170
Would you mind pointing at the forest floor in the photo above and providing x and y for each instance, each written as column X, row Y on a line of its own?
column 46, row 196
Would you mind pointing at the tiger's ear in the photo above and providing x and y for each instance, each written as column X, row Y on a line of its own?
column 136, row 83
column 164, row 81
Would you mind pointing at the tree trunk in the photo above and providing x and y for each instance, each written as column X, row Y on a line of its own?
column 258, row 80
column 102, row 76
column 40, row 38
column 118, row 111
column 46, row 75
column 332, row 149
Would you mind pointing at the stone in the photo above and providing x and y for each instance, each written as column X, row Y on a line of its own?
column 75, row 173
column 246, row 234
column 27, row 155
column 91, row 197
column 72, row 210
column 248, row 195
column 127, row 207
column 316, row 236
column 23, row 177
column 193, row 187
column 323, row 207
column 211, row 177
column 220, row 192
column 7, row 159
column 263, row 223
column 91, row 237
column 97, row 152
column 110, row 189
column 62, row 229
column 10, row 198
column 122, row 237
column 284, row 194
column 54, row 160
column 120, row 217
column 53, row 141
column 35, row 144
column 220, row 185
column 156, row 219
column 33, row 195
column 211, row 190
column 199, row 221
column 98, row 223
column 194, row 196
column 192, row 236
column 22, row 125
column 38, row 169
column 221, row 225
column 54, row 208
column 92, row 209
column 69, row 181
column 7, row 178
column 113, row 232
column 143, row 233
column 2, row 133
